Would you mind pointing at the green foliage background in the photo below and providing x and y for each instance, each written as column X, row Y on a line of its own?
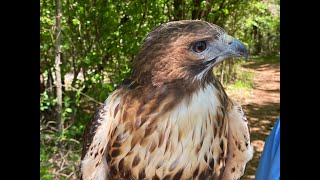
column 100, row 38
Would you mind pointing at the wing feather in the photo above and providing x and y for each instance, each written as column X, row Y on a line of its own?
column 96, row 137
column 91, row 129
column 240, row 150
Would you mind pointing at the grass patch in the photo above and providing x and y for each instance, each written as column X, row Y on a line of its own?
column 265, row 59
column 242, row 85
column 244, row 81
column 59, row 163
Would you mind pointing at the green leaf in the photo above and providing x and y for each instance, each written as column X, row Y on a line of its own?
column 226, row 11
column 81, row 9
column 75, row 21
column 69, row 110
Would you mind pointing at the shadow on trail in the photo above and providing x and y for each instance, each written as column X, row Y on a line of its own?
column 262, row 119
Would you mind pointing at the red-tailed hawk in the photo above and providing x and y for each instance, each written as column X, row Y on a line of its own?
column 171, row 119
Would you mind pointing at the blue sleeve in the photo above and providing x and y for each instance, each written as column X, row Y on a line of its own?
column 269, row 165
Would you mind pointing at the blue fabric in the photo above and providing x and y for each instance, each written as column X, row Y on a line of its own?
column 269, row 165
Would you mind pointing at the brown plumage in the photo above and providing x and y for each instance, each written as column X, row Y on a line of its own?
column 171, row 119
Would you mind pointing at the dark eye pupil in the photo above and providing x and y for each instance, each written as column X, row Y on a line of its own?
column 199, row 46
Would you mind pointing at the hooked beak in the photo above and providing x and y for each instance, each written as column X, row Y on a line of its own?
column 235, row 48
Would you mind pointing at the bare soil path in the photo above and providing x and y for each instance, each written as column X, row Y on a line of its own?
column 261, row 106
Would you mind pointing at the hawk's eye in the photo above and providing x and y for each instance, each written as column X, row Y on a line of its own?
column 198, row 47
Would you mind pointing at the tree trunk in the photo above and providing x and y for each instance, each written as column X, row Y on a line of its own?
column 169, row 13
column 73, row 107
column 259, row 43
column 206, row 12
column 42, row 86
column 49, row 83
column 196, row 9
column 231, row 73
column 57, row 66
column 268, row 43
column 257, row 40
column 177, row 4
column 76, row 71
column 222, row 72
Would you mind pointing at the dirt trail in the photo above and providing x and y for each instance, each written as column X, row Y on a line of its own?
column 262, row 107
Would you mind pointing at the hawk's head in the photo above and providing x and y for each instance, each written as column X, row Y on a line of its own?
column 184, row 51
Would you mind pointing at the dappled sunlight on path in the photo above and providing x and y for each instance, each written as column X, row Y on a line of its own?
column 261, row 106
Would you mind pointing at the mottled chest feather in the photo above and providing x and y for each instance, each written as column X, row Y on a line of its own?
column 187, row 140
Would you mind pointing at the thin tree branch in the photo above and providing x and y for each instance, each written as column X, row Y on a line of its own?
column 78, row 91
